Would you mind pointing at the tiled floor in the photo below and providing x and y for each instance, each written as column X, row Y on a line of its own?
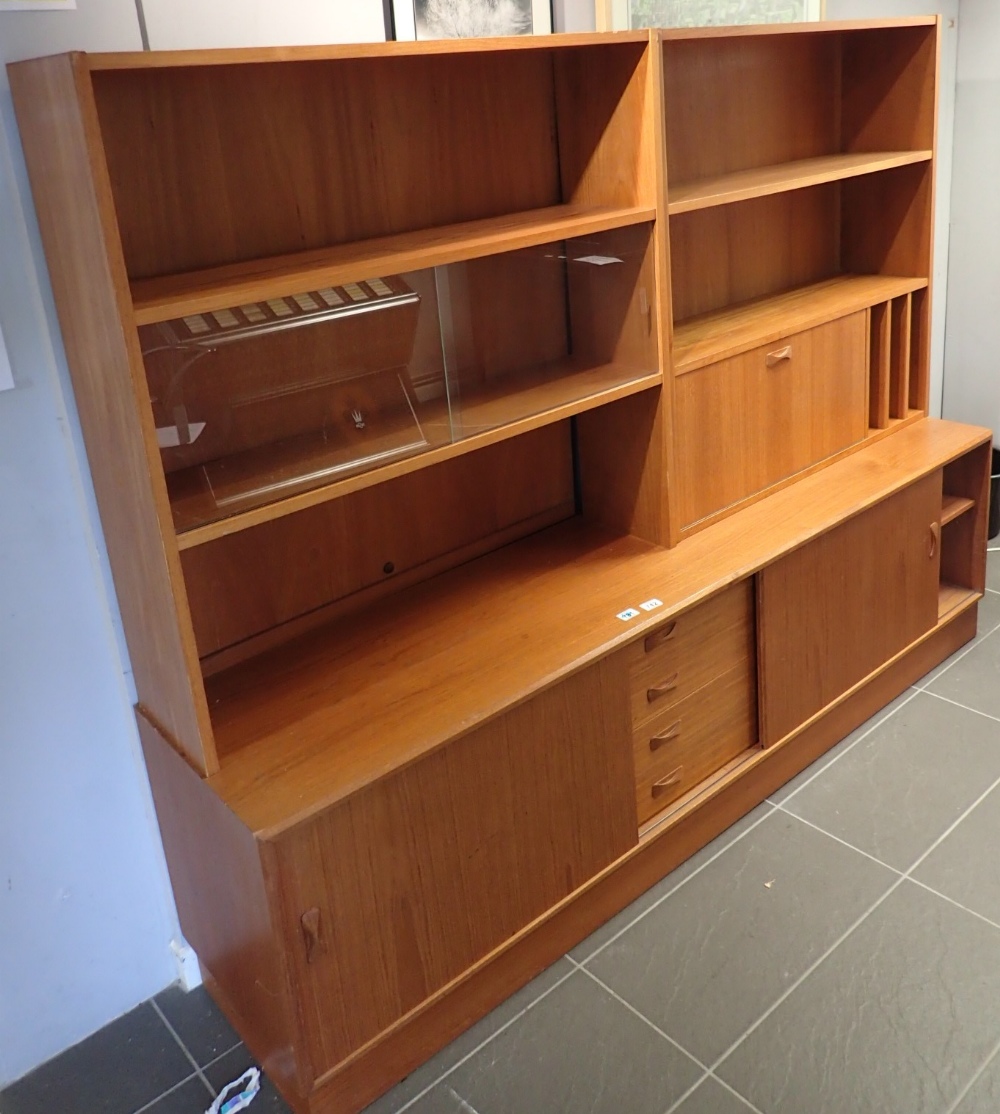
column 835, row 952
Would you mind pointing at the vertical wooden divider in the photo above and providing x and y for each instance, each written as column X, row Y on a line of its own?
column 920, row 350
column 878, row 376
column 899, row 369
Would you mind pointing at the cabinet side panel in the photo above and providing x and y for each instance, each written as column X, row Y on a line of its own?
column 837, row 609
column 62, row 146
column 416, row 878
column 219, row 886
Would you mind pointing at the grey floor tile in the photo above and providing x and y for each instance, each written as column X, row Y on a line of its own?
column 896, row 792
column 993, row 565
column 124, row 1066
column 793, row 786
column 232, row 1066
column 431, row 1071
column 578, row 1049
column 705, row 964
column 711, row 1097
column 895, row 1020
column 965, row 865
column 983, row 1096
column 622, row 920
column 443, row 1099
column 975, row 680
column 988, row 621
column 192, row 1097
column 198, row 1021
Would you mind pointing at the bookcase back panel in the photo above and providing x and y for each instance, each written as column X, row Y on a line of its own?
column 887, row 221
column 888, row 89
column 733, row 253
column 787, row 107
column 379, row 539
column 219, row 164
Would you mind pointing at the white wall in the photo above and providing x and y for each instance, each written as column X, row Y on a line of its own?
column 949, row 10
column 86, row 916
column 972, row 382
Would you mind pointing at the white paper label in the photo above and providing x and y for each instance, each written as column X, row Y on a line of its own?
column 651, row 605
column 167, row 437
column 598, row 260
column 628, row 613
column 6, row 375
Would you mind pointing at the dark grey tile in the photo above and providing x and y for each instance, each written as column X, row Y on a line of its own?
column 431, row 1071
column 578, row 1049
column 192, row 1097
column 231, row 1066
column 666, row 885
column 712, row 1098
column 993, row 566
column 988, row 620
column 984, row 1095
column 975, row 680
column 124, row 1066
column 793, row 786
column 965, row 866
column 896, row 1019
column 705, row 964
column 897, row 790
column 198, row 1021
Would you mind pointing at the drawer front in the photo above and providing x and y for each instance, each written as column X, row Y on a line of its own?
column 745, row 423
column 687, row 743
column 690, row 650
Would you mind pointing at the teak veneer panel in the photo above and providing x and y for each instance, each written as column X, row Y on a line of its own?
column 77, row 221
column 834, row 610
column 743, row 184
column 545, row 606
column 727, row 332
column 422, row 875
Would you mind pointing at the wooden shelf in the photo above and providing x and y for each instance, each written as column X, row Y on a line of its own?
column 172, row 296
column 513, row 405
column 952, row 506
column 545, row 606
column 727, row 332
column 763, row 180
column 953, row 596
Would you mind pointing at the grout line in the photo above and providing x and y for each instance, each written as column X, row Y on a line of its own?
column 694, row 873
column 732, row 1090
column 837, row 757
column 975, row 1079
column 864, row 916
column 995, row 591
column 843, row 842
column 482, row 1044
column 642, row 1017
column 467, row 1107
column 183, row 1046
column 169, row 1091
column 957, row 904
column 975, row 711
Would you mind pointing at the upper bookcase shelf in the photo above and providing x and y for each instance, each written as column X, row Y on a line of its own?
column 217, row 288
column 761, row 181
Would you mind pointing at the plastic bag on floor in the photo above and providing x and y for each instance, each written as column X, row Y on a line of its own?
column 237, row 1095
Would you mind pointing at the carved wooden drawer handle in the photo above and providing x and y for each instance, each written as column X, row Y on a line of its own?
column 671, row 732
column 666, row 783
column 662, row 688
column 657, row 638
column 935, row 539
column 780, row 354
column 311, row 932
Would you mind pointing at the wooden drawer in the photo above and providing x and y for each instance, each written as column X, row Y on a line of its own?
column 690, row 741
column 745, row 423
column 690, row 650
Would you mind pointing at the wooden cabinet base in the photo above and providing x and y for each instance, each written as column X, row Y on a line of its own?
column 377, row 1066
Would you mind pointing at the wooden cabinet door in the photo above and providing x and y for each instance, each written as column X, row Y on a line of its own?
column 399, row 889
column 747, row 422
column 835, row 610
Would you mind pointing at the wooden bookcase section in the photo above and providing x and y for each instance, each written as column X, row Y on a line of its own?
column 514, row 464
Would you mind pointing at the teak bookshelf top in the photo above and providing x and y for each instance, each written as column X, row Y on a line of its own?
column 762, row 181
column 281, row 760
column 172, row 296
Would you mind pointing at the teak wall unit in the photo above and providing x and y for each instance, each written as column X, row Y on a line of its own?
column 514, row 461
